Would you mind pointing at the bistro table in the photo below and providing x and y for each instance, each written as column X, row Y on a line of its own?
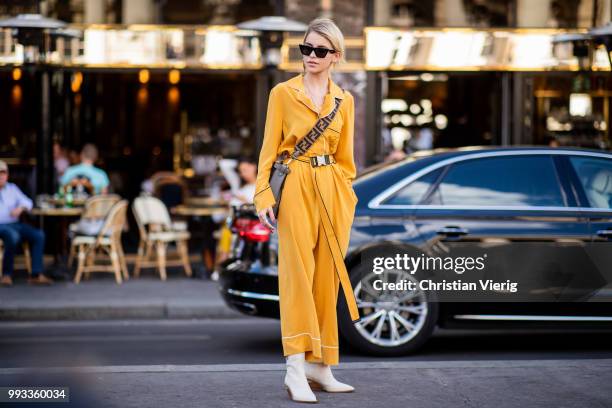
column 205, row 202
column 198, row 211
column 206, row 209
column 62, row 215
column 58, row 212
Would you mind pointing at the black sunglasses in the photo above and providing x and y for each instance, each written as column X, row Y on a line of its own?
column 320, row 52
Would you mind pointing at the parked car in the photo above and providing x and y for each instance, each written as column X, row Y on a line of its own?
column 546, row 214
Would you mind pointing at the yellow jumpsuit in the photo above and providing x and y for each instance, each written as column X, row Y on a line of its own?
column 315, row 216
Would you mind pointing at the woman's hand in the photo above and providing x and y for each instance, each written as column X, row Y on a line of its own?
column 263, row 217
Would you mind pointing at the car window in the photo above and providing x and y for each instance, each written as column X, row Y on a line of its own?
column 500, row 181
column 595, row 175
column 414, row 192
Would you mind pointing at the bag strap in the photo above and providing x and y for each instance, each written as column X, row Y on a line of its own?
column 311, row 137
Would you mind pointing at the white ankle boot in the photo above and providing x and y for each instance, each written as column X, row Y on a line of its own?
column 321, row 377
column 295, row 380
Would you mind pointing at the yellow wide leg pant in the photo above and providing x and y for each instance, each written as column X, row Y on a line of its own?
column 314, row 221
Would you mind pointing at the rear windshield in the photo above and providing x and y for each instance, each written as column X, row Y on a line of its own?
column 376, row 168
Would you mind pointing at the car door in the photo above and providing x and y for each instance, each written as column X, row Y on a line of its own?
column 513, row 210
column 591, row 176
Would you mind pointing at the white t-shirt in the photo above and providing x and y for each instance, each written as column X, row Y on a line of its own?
column 228, row 168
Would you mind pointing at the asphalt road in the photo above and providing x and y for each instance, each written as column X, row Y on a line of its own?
column 238, row 363
column 256, row 341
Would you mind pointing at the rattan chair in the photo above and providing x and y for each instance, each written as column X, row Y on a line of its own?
column 96, row 208
column 170, row 188
column 107, row 241
column 26, row 254
column 157, row 231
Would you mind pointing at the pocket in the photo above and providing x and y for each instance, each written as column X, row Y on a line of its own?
column 336, row 125
column 333, row 137
column 334, row 129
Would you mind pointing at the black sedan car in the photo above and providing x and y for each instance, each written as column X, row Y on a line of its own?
column 542, row 215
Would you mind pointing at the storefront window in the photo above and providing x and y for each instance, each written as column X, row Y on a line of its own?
column 430, row 110
column 76, row 11
column 9, row 8
column 154, row 12
column 444, row 13
column 490, row 13
column 572, row 109
column 215, row 11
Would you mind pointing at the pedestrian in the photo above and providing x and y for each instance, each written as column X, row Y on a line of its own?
column 316, row 210
column 13, row 232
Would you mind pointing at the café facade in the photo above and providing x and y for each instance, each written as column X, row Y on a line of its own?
column 456, row 87
column 150, row 97
column 158, row 97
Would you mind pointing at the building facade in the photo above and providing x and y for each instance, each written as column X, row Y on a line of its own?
column 170, row 84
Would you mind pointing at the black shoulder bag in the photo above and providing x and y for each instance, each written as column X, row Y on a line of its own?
column 280, row 169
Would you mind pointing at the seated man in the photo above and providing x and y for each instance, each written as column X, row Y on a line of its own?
column 87, row 170
column 12, row 232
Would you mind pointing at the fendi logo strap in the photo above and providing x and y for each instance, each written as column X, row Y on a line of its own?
column 304, row 144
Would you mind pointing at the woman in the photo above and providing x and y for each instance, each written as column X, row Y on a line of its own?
column 315, row 213
column 242, row 181
column 238, row 195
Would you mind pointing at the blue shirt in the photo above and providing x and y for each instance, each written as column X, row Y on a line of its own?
column 12, row 197
column 97, row 176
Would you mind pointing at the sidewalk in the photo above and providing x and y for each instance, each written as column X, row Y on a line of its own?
column 422, row 384
column 101, row 298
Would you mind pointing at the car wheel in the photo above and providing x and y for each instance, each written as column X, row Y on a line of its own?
column 392, row 322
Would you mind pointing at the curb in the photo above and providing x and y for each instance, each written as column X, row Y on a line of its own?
column 361, row 366
column 95, row 312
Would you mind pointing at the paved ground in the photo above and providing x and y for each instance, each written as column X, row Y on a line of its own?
column 255, row 340
column 190, row 350
column 500, row 384
column 101, row 298
column 238, row 363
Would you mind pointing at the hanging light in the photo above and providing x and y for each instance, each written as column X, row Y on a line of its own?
column 603, row 36
column 174, row 76
column 77, row 81
column 580, row 45
column 144, row 76
column 17, row 74
column 272, row 28
column 29, row 30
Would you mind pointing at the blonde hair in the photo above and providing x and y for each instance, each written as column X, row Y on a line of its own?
column 326, row 28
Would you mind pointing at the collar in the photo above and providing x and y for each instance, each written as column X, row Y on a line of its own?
column 297, row 83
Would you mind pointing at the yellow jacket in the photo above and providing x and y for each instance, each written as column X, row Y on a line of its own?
column 290, row 116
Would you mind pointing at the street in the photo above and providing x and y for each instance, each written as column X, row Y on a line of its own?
column 446, row 177
column 237, row 362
